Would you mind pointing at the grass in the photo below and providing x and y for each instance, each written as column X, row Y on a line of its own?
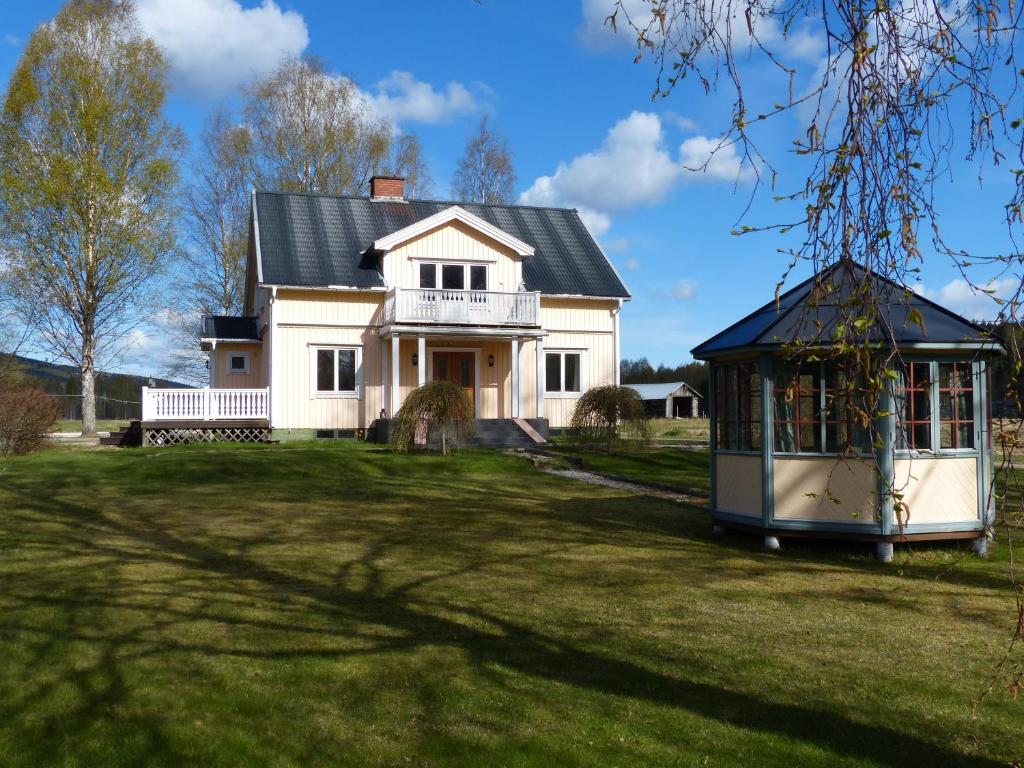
column 102, row 425
column 334, row 605
column 689, row 469
column 683, row 431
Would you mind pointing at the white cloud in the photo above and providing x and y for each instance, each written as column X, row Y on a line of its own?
column 701, row 154
column 682, row 122
column 632, row 264
column 400, row 97
column 214, row 45
column 632, row 167
column 619, row 245
column 683, row 290
column 972, row 303
column 12, row 40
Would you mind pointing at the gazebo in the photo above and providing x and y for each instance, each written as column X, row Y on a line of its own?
column 789, row 455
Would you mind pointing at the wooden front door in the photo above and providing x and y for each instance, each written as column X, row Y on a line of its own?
column 458, row 367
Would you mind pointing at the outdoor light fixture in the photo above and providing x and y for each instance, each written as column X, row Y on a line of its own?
column 490, row 361
column 415, row 358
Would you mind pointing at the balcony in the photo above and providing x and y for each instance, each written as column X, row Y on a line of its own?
column 438, row 306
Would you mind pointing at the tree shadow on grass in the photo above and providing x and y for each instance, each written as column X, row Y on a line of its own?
column 403, row 622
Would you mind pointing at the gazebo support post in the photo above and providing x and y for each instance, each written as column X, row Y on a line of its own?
column 771, row 543
column 980, row 545
column 884, row 551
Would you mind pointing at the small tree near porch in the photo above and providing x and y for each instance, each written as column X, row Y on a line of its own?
column 608, row 416
column 439, row 405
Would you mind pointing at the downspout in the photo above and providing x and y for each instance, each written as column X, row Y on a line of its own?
column 616, row 312
column 273, row 348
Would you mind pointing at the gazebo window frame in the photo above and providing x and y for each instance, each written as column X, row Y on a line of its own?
column 970, row 363
column 734, row 411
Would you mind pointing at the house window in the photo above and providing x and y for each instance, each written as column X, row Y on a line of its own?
column 738, row 407
column 336, row 370
column 478, row 277
column 956, row 406
column 238, row 362
column 563, row 373
column 428, row 275
column 454, row 277
column 848, row 412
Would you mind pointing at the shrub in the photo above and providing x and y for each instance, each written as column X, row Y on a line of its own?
column 439, row 410
column 607, row 416
column 26, row 415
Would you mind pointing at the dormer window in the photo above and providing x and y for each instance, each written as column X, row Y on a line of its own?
column 454, row 276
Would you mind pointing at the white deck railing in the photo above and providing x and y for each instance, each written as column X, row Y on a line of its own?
column 205, row 404
column 436, row 305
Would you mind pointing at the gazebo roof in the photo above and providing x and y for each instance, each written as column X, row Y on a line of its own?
column 809, row 313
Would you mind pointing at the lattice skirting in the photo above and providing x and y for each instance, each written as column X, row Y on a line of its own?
column 184, row 436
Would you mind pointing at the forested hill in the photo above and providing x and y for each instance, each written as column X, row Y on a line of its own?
column 117, row 394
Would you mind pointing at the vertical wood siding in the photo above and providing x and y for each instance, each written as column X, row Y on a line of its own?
column 224, row 379
column 451, row 242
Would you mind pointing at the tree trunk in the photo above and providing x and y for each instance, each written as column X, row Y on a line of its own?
column 88, row 397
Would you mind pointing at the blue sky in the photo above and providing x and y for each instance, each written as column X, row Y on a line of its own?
column 578, row 115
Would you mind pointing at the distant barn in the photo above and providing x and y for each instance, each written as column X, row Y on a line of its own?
column 674, row 399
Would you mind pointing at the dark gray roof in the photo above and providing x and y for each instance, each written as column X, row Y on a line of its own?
column 319, row 240
column 809, row 313
column 235, row 328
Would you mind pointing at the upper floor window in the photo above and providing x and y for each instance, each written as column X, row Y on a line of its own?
column 453, row 277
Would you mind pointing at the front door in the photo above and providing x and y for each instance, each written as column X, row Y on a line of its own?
column 458, row 367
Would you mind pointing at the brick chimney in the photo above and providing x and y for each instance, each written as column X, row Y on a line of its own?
column 387, row 188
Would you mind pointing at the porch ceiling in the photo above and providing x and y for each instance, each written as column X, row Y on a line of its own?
column 454, row 331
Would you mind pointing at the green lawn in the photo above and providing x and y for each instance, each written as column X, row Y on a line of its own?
column 333, row 605
column 102, row 425
column 680, row 468
column 683, row 431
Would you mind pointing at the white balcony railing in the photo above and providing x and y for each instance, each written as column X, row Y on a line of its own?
column 205, row 404
column 437, row 305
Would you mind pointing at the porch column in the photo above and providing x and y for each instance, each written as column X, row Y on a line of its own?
column 213, row 363
column 421, row 356
column 396, row 345
column 515, row 378
column 384, row 377
column 541, row 371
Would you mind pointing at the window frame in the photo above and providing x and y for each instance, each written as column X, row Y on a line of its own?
column 467, row 274
column 335, row 394
column 561, row 392
column 244, row 371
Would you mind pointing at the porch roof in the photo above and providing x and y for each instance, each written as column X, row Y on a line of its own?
column 228, row 328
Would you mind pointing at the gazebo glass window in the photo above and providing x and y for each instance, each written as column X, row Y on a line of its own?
column 956, row 406
column 738, row 407
column 797, row 408
column 848, row 412
column 914, row 407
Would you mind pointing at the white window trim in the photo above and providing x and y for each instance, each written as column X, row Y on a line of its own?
column 316, row 394
column 245, row 369
column 562, row 395
column 440, row 263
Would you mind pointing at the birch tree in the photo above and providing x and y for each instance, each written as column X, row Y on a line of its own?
column 315, row 132
column 87, row 176
column 485, row 174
